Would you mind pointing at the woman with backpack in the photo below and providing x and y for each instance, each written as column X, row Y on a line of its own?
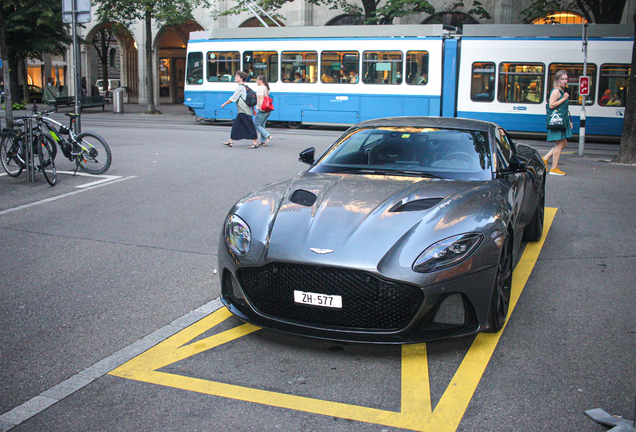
column 243, row 124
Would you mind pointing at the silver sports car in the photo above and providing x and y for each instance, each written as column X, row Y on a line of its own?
column 405, row 230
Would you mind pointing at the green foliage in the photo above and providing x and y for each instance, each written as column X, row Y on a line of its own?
column 373, row 14
column 34, row 27
column 399, row 8
column 477, row 9
column 16, row 105
column 167, row 12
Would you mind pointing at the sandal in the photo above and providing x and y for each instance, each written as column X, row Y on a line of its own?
column 252, row 146
column 267, row 140
column 227, row 143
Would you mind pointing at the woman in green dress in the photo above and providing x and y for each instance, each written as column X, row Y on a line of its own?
column 558, row 97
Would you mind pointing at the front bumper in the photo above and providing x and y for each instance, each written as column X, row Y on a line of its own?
column 375, row 310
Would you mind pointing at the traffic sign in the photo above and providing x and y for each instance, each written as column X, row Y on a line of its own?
column 584, row 85
column 82, row 9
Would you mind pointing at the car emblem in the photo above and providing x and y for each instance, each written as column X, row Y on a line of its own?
column 320, row 251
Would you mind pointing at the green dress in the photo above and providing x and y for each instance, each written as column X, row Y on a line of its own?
column 557, row 135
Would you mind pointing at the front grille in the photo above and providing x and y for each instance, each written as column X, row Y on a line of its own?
column 369, row 302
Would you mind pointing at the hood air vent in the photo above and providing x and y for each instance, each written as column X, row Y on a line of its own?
column 303, row 198
column 416, row 205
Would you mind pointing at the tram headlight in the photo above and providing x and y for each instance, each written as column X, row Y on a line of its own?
column 238, row 235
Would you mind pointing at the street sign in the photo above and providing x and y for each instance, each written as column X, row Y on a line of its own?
column 81, row 7
column 584, row 85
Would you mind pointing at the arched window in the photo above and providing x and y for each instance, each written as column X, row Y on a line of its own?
column 455, row 19
column 561, row 18
column 112, row 56
column 346, row 20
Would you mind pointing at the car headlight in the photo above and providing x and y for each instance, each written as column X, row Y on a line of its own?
column 237, row 235
column 447, row 253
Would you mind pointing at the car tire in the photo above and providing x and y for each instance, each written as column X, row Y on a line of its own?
column 534, row 230
column 500, row 299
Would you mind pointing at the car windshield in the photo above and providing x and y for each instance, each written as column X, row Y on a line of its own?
column 417, row 151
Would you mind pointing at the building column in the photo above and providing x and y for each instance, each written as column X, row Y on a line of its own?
column 503, row 12
column 143, row 72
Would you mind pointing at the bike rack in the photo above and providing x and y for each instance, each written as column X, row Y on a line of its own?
column 29, row 155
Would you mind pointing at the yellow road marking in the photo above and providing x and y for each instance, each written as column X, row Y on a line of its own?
column 416, row 411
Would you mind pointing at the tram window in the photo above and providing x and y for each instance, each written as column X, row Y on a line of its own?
column 417, row 67
column 382, row 67
column 194, row 70
column 223, row 65
column 521, row 83
column 340, row 67
column 482, row 82
column 257, row 63
column 574, row 70
column 613, row 84
column 299, row 66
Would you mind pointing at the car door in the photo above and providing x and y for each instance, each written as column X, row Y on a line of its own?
column 515, row 176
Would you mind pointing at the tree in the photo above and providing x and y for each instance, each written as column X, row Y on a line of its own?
column 29, row 28
column 373, row 14
column 599, row 12
column 5, row 69
column 101, row 43
column 167, row 12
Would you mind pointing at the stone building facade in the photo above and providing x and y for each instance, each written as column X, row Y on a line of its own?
column 169, row 43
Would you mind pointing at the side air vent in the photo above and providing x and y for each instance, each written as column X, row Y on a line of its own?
column 416, row 205
column 303, row 197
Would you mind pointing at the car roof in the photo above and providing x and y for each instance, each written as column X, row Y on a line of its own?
column 436, row 122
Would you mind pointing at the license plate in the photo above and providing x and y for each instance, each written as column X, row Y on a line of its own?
column 315, row 299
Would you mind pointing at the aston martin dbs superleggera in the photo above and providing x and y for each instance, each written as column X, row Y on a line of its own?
column 405, row 230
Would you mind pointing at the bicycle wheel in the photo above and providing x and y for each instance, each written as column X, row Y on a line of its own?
column 94, row 157
column 47, row 165
column 9, row 154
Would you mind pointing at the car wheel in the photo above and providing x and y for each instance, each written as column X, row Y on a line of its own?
column 500, row 299
column 534, row 230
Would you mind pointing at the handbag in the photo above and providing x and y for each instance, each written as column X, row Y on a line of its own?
column 556, row 118
column 268, row 104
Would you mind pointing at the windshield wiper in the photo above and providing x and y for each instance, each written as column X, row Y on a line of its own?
column 385, row 171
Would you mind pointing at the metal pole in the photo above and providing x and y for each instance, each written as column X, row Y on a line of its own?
column 28, row 150
column 251, row 5
column 582, row 118
column 78, row 68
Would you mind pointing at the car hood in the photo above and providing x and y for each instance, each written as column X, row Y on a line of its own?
column 361, row 220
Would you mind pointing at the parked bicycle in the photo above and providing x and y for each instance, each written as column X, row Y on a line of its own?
column 89, row 151
column 14, row 154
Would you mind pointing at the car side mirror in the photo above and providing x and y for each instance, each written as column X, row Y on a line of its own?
column 516, row 164
column 308, row 156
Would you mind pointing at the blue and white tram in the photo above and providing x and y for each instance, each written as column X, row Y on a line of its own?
column 506, row 74
column 353, row 74
column 343, row 75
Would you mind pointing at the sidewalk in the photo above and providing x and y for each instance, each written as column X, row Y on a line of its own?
column 176, row 112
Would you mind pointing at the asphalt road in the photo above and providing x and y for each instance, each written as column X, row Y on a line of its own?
column 91, row 277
